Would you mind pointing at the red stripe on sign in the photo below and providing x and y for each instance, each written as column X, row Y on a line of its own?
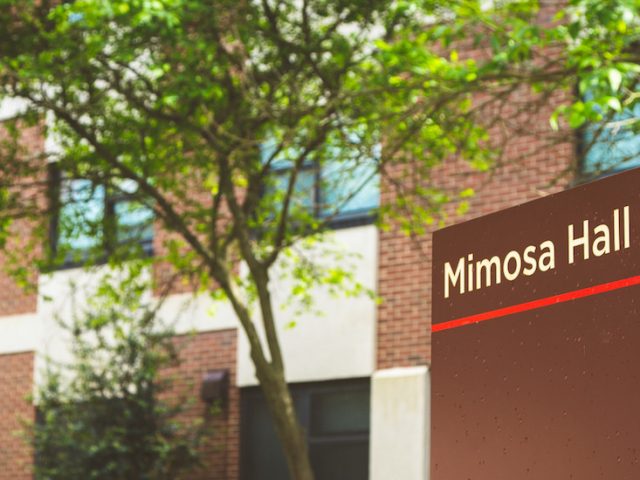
column 542, row 302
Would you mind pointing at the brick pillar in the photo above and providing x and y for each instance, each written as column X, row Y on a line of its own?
column 16, row 381
column 198, row 354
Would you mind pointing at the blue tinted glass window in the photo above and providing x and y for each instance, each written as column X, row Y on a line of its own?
column 614, row 145
column 350, row 188
column 87, row 208
column 343, row 188
column 135, row 222
column 81, row 215
column 304, row 191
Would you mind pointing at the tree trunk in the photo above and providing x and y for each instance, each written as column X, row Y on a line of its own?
column 290, row 433
column 274, row 385
column 272, row 381
column 270, row 372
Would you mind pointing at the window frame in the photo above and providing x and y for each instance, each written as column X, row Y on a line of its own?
column 307, row 390
column 584, row 175
column 78, row 257
column 340, row 220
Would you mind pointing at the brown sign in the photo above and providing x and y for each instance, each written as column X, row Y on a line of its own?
column 536, row 339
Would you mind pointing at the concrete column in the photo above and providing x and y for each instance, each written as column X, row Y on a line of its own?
column 400, row 424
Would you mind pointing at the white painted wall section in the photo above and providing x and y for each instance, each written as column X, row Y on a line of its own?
column 186, row 313
column 19, row 333
column 11, row 107
column 340, row 341
column 65, row 293
column 337, row 341
column 62, row 296
column 400, row 424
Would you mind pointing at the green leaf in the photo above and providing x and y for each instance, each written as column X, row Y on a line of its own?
column 123, row 8
column 615, row 78
column 553, row 121
column 467, row 193
column 576, row 119
column 614, row 103
column 463, row 207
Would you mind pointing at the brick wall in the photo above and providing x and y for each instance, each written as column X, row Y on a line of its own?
column 16, row 379
column 535, row 162
column 16, row 370
column 404, row 284
column 13, row 298
column 193, row 202
column 198, row 354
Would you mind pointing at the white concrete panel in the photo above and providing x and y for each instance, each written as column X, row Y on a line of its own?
column 65, row 293
column 11, row 107
column 187, row 313
column 339, row 342
column 400, row 424
column 19, row 333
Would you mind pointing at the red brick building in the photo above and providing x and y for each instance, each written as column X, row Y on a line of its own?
column 359, row 372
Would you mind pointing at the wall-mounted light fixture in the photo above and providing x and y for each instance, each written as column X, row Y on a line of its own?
column 215, row 387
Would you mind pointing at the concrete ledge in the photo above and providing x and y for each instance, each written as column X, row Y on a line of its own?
column 400, row 424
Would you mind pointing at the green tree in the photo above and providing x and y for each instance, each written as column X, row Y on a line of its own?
column 209, row 114
column 110, row 413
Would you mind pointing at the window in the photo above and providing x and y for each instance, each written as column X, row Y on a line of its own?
column 352, row 186
column 614, row 145
column 92, row 219
column 336, row 418
column 345, row 191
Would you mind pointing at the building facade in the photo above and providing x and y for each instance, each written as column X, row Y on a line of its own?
column 359, row 372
